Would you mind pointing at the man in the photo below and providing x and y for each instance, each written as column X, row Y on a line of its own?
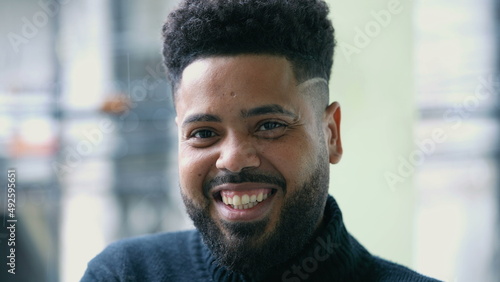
column 256, row 136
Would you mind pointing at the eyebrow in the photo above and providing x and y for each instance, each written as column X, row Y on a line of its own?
column 266, row 110
column 201, row 118
column 262, row 110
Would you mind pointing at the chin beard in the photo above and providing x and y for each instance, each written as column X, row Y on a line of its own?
column 244, row 247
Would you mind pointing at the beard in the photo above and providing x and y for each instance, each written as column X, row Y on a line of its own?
column 243, row 247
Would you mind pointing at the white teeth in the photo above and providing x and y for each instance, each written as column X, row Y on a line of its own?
column 236, row 200
column 244, row 207
column 259, row 197
column 245, row 199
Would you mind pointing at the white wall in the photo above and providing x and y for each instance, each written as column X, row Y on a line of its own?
column 373, row 81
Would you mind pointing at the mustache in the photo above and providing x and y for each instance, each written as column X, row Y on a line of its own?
column 244, row 176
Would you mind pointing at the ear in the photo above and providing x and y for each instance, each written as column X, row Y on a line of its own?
column 334, row 144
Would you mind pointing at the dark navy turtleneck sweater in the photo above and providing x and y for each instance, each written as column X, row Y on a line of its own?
column 334, row 255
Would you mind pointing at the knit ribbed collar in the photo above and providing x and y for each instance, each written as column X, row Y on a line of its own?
column 333, row 255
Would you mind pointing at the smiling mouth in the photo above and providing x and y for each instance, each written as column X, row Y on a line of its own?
column 242, row 200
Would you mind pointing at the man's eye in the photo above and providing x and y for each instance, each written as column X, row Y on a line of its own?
column 203, row 133
column 271, row 130
column 271, row 125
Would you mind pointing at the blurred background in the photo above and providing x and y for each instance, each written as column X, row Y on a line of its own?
column 86, row 120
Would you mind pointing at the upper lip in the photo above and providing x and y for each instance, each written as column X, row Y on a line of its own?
column 243, row 187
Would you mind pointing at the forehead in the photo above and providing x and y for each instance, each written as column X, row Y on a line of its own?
column 238, row 71
column 248, row 79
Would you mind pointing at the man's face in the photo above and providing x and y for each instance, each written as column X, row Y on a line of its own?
column 253, row 156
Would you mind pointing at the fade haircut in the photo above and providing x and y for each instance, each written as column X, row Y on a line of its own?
column 298, row 30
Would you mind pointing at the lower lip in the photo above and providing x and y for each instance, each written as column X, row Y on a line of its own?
column 255, row 213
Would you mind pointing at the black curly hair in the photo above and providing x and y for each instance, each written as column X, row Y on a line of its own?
column 298, row 30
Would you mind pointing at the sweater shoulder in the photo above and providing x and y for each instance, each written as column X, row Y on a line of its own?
column 389, row 271
column 157, row 257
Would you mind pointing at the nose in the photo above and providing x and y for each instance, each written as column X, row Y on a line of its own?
column 237, row 153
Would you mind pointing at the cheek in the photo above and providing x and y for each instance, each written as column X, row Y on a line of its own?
column 194, row 167
column 294, row 160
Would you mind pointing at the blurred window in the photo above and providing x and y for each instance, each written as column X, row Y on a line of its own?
column 457, row 86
